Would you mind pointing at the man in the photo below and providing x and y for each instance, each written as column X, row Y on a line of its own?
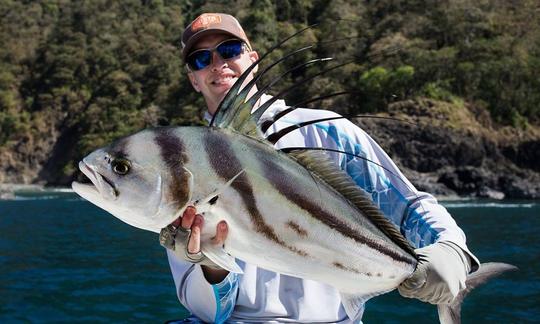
column 217, row 51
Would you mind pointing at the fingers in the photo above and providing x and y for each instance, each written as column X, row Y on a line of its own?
column 188, row 217
column 194, row 244
column 221, row 233
column 192, row 220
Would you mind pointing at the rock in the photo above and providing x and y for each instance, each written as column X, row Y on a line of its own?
column 427, row 182
column 6, row 194
column 518, row 188
column 525, row 155
column 487, row 192
column 451, row 180
column 445, row 160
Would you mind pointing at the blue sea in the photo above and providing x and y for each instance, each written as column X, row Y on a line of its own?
column 63, row 260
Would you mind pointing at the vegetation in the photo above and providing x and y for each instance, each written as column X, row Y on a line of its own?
column 100, row 69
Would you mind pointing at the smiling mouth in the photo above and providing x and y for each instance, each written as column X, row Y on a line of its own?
column 99, row 183
column 224, row 79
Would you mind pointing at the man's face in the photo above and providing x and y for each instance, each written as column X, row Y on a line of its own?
column 215, row 80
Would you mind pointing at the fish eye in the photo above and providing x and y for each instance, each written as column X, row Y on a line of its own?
column 121, row 166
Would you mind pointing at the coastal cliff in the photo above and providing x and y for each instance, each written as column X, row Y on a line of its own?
column 446, row 149
column 456, row 150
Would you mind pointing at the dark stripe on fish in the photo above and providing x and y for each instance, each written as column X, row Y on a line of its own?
column 342, row 267
column 118, row 148
column 173, row 153
column 289, row 188
column 295, row 227
column 225, row 163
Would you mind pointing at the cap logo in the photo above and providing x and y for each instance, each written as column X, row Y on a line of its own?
column 204, row 21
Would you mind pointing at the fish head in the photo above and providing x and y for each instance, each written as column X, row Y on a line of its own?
column 138, row 179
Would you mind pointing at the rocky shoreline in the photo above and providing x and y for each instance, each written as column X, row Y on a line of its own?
column 8, row 190
column 451, row 151
column 11, row 190
column 459, row 153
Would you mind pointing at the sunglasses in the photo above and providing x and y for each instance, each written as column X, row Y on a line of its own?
column 228, row 49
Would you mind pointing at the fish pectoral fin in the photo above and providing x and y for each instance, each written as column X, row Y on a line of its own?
column 218, row 255
column 204, row 204
column 354, row 305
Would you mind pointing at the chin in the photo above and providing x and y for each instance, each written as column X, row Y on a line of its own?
column 221, row 92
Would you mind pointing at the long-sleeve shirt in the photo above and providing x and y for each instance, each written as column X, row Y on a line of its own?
column 259, row 295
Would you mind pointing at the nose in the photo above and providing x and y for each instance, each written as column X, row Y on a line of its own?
column 217, row 61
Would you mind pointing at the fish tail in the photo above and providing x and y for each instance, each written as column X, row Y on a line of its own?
column 451, row 313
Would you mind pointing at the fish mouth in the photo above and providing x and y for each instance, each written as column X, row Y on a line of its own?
column 99, row 185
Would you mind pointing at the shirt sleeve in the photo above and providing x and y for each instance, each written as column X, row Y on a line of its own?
column 209, row 302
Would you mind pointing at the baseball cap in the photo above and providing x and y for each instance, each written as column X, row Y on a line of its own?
column 210, row 23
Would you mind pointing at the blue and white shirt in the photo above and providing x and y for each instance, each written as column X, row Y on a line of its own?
column 262, row 296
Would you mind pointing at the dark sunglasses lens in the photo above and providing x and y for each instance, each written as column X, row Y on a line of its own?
column 229, row 49
column 199, row 60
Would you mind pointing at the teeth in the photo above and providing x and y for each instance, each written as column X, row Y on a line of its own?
column 223, row 80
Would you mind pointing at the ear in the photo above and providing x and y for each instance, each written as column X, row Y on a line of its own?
column 194, row 82
column 254, row 56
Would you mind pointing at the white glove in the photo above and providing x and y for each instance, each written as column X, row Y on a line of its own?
column 440, row 274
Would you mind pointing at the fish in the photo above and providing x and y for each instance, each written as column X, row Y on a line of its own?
column 292, row 211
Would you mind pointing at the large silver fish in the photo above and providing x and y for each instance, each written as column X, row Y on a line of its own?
column 295, row 213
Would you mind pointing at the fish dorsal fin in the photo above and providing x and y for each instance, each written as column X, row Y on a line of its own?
column 235, row 110
column 320, row 165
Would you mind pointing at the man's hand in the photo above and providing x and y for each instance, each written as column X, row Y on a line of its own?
column 440, row 274
column 186, row 242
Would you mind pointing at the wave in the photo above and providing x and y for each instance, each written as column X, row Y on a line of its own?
column 34, row 192
column 67, row 190
column 488, row 205
column 44, row 197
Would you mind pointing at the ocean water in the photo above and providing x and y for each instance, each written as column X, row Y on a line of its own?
column 63, row 260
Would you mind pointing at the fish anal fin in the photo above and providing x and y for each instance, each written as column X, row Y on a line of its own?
column 218, row 255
